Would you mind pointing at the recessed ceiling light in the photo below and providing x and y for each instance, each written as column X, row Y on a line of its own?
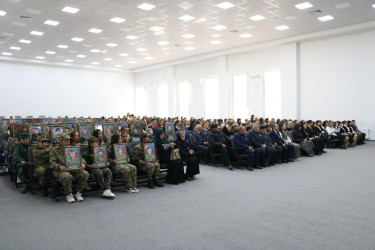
column 94, row 30
column 187, row 18
column 257, row 18
column 149, row 58
column 95, row 63
column 118, row 65
column 200, row 20
column 225, row 5
column 215, row 42
column 111, row 44
column 51, row 22
column 117, row 20
column 142, row 49
column 282, row 27
column 189, row 48
column 146, row 6
column 62, row 46
column 15, row 48
column 326, row 18
column 77, row 39
column 219, row 27
column 6, row 54
column 163, row 43
column 81, row 56
column 373, row 6
column 50, row 52
column 188, row 36
column 40, row 57
column 246, row 35
column 69, row 60
column 131, row 37
column 303, row 6
column 156, row 28
column 95, row 51
column 108, row 59
column 70, row 10
column 2, row 13
column 36, row 33
column 123, row 54
column 24, row 41
column 132, row 62
column 342, row 6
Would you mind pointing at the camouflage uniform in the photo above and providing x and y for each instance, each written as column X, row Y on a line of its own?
column 153, row 168
column 20, row 153
column 57, row 158
column 128, row 171
column 41, row 164
column 102, row 175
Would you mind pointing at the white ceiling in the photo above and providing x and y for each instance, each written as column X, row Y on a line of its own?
column 24, row 16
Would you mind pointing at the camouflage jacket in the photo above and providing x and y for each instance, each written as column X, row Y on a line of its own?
column 110, row 153
column 41, row 156
column 57, row 157
column 138, row 154
column 20, row 153
column 87, row 158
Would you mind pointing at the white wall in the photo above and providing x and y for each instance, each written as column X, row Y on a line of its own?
column 337, row 79
column 28, row 89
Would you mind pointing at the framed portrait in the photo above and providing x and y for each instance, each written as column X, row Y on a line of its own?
column 35, row 131
column 120, row 153
column 108, row 130
column 169, row 131
column 72, row 158
column 18, row 119
column 120, row 125
column 97, row 120
column 66, row 120
column 81, row 120
column 37, row 120
column 57, row 120
column 85, row 131
column 2, row 117
column 73, row 120
column 149, row 152
column 42, row 116
column 135, row 131
column 4, row 124
column 100, row 156
column 70, row 127
column 19, row 128
column 47, row 120
column 97, row 126
column 27, row 121
column 30, row 117
column 56, row 132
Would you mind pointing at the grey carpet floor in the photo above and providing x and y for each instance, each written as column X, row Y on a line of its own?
column 323, row 202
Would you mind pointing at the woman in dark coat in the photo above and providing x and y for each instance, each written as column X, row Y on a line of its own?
column 301, row 137
column 187, row 155
column 175, row 168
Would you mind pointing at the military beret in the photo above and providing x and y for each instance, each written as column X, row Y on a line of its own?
column 143, row 135
column 64, row 137
column 24, row 135
column 214, row 125
column 42, row 138
column 92, row 139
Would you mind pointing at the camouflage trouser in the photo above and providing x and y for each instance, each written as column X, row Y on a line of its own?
column 103, row 176
column 22, row 172
column 67, row 178
column 153, row 170
column 129, row 174
column 43, row 174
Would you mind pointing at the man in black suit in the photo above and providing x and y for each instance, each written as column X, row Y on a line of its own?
column 276, row 155
column 220, row 142
column 361, row 136
column 258, row 142
column 287, row 149
column 315, row 138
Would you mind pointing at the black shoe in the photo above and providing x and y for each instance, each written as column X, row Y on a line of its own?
column 188, row 178
column 230, row 167
column 150, row 184
column 258, row 167
column 285, row 161
column 24, row 189
column 157, row 183
column 291, row 160
column 193, row 177
column 324, row 151
column 250, row 168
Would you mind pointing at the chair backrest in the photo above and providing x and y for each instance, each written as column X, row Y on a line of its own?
column 30, row 155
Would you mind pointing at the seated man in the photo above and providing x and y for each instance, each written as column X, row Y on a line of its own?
column 41, row 162
column 361, row 136
column 57, row 162
column 102, row 175
column 199, row 142
column 20, row 162
column 276, row 155
column 287, row 149
column 258, row 141
column 240, row 141
column 220, row 142
column 153, row 168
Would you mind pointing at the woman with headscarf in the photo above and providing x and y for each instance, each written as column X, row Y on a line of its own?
column 187, row 155
column 175, row 168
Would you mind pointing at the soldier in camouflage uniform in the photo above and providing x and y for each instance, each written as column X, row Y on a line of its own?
column 128, row 171
column 153, row 168
column 20, row 161
column 57, row 163
column 103, row 175
column 41, row 162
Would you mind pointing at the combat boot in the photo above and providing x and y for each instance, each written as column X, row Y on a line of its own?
column 157, row 183
column 150, row 184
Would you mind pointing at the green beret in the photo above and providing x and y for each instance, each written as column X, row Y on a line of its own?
column 42, row 138
column 64, row 137
column 143, row 135
column 24, row 135
column 92, row 139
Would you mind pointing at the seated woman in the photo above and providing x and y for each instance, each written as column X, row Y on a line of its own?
column 301, row 137
column 175, row 168
column 102, row 175
column 98, row 134
column 187, row 155
column 334, row 133
column 284, row 135
column 128, row 171
column 344, row 130
column 75, row 140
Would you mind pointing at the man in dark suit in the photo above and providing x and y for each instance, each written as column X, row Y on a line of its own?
column 315, row 138
column 199, row 142
column 239, row 141
column 361, row 136
column 287, row 149
column 276, row 158
column 256, row 139
column 220, row 142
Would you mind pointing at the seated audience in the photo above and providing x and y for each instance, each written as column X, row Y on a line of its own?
column 258, row 142
column 219, row 141
column 187, row 155
column 287, row 149
column 301, row 137
column 199, row 142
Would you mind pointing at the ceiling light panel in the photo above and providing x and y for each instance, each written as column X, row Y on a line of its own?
column 40, row 57
column 14, row 48
column 189, row 48
column 51, row 22
column 81, row 56
column 131, row 37
column 2, row 13
column 325, row 18
column 156, row 28
column 215, row 42
column 50, row 52
column 95, row 30
column 142, row 49
column 36, row 33
column 146, row 6
column 163, row 43
column 219, row 27
column 186, row 18
column 188, row 36
column 246, row 35
column 70, row 10
column 24, row 41
column 6, row 54
column 62, row 46
column 225, row 5
column 257, row 18
column 303, row 6
column 117, row 20
column 69, row 60
column 112, row 44
column 77, row 39
column 123, row 54
column 282, row 27
column 95, row 50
